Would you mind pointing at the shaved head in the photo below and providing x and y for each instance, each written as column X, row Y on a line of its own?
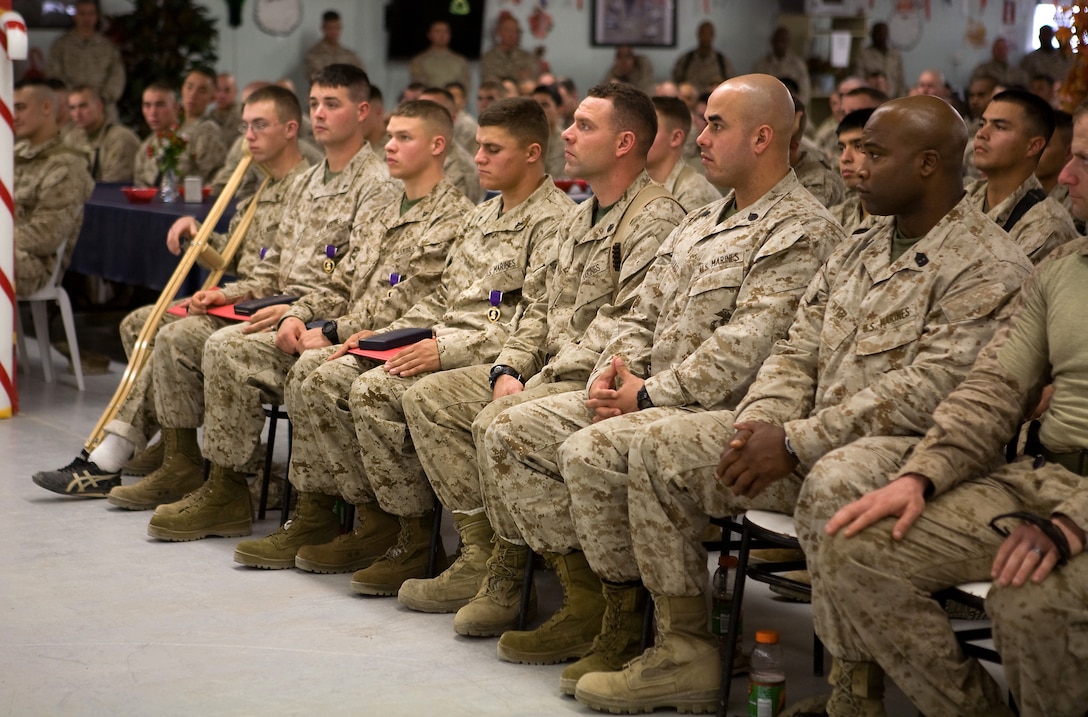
column 760, row 99
column 927, row 123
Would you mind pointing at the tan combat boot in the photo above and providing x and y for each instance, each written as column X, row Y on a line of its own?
column 682, row 670
column 146, row 461
column 219, row 507
column 857, row 691
column 407, row 559
column 452, row 590
column 495, row 607
column 620, row 638
column 376, row 533
column 314, row 523
column 570, row 632
column 181, row 472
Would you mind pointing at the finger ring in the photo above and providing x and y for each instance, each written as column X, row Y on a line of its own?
column 1037, row 549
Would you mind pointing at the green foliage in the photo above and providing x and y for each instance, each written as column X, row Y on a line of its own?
column 161, row 40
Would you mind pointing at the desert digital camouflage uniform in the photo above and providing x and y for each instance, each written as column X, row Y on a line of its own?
column 826, row 138
column 93, row 61
column 1041, row 630
column 136, row 419
column 111, row 152
column 245, row 370
column 554, row 348
column 692, row 155
column 690, row 188
column 722, row 290
column 704, row 71
column 817, row 176
column 438, row 66
column 460, row 170
column 871, row 60
column 791, row 66
column 874, row 346
column 228, row 120
column 1046, row 226
column 204, row 155
column 51, row 186
column 315, row 223
column 493, row 252
column 254, row 176
column 464, row 133
column 515, row 63
column 849, row 214
column 324, row 53
column 555, row 162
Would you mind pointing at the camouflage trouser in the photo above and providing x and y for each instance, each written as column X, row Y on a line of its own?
column 519, row 471
column 871, row 594
column 242, row 372
column 671, row 492
column 324, row 453
column 447, row 414
column 31, row 273
column 135, row 420
column 177, row 368
column 1041, row 632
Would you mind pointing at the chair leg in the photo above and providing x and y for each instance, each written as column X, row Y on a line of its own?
column 70, row 335
column 266, row 478
column 734, row 614
column 526, row 590
column 647, row 626
column 436, row 540
column 286, row 508
column 41, row 331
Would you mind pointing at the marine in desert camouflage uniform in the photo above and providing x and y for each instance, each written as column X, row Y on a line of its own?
column 888, row 326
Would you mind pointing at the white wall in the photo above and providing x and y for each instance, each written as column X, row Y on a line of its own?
column 743, row 27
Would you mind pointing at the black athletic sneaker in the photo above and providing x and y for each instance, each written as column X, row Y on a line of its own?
column 80, row 478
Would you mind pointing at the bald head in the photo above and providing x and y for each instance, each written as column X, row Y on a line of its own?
column 928, row 123
column 760, row 99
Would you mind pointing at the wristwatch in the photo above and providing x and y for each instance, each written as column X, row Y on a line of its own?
column 328, row 330
column 502, row 370
column 643, row 399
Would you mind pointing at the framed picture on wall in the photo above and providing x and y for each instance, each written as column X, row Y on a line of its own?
column 46, row 13
column 650, row 23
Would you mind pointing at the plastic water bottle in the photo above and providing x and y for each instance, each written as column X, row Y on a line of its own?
column 722, row 603
column 767, row 677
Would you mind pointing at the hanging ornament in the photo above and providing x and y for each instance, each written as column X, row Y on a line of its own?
column 1008, row 12
column 234, row 12
column 540, row 22
column 459, row 7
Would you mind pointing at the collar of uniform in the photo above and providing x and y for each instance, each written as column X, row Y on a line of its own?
column 277, row 188
column 343, row 180
column 1001, row 212
column 606, row 227
column 517, row 218
column 877, row 254
column 23, row 150
column 421, row 210
column 674, row 173
column 753, row 212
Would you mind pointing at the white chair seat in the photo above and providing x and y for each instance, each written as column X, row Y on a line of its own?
column 979, row 589
column 52, row 291
column 774, row 522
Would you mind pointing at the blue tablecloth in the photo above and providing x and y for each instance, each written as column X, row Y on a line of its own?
column 126, row 242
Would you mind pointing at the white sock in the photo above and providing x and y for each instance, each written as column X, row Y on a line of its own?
column 112, row 453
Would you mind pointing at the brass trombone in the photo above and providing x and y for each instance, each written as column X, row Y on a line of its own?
column 198, row 248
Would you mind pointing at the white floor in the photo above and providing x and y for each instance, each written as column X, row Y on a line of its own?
column 98, row 619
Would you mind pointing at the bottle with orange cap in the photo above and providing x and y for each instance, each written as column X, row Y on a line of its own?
column 766, row 677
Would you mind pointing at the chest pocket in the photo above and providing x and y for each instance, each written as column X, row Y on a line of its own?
column 595, row 286
column 877, row 338
column 838, row 326
column 716, row 294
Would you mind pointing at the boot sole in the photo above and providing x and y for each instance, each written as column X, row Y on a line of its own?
column 484, row 631
column 228, row 530
column 544, row 658
column 327, row 569
column 254, row 561
column 127, row 504
column 688, row 703
column 373, row 589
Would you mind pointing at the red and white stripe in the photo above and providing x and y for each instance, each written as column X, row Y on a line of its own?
column 13, row 42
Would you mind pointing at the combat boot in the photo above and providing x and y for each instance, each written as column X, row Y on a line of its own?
column 857, row 691
column 376, row 533
column 181, row 472
column 314, row 523
column 620, row 638
column 452, row 590
column 146, row 461
column 682, row 670
column 407, row 559
column 219, row 507
column 570, row 632
column 495, row 607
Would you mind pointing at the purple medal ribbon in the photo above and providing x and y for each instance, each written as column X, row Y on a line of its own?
column 394, row 279
column 495, row 297
column 330, row 251
column 264, row 250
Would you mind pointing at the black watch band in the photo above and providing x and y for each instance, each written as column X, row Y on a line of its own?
column 502, row 370
column 643, row 399
column 328, row 329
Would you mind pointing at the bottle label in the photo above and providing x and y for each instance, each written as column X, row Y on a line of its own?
column 719, row 622
column 766, row 699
